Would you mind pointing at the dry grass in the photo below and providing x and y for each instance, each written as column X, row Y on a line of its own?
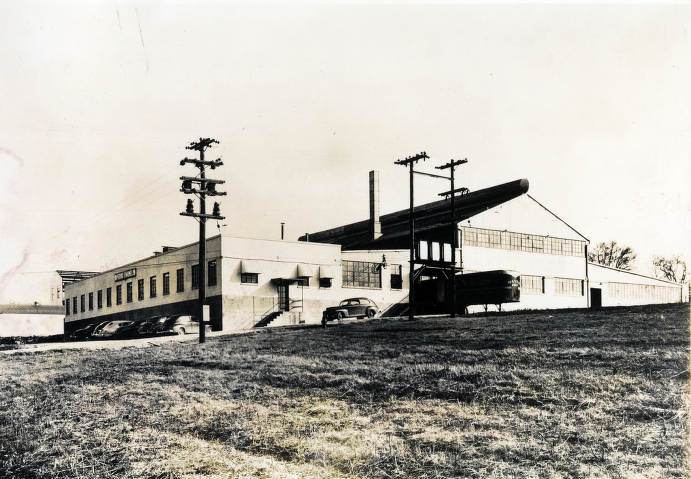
column 556, row 395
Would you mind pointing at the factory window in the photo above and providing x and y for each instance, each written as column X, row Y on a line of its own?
column 249, row 278
column 99, row 299
column 324, row 282
column 74, row 305
column 91, row 301
column 118, row 294
column 303, row 281
column 446, row 253
column 423, row 250
column 166, row 284
column 568, row 287
column 152, row 287
column 211, row 273
column 396, row 276
column 82, row 305
column 646, row 292
column 140, row 290
column 180, row 280
column 67, row 307
column 129, row 292
column 361, row 274
column 522, row 242
column 109, row 296
column 195, row 276
column 532, row 284
column 436, row 251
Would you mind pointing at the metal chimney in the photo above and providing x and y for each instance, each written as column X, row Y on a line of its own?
column 375, row 224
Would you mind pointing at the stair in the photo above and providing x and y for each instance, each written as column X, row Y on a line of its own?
column 266, row 320
column 396, row 309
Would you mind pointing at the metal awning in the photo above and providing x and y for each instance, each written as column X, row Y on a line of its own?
column 250, row 266
column 306, row 270
column 328, row 271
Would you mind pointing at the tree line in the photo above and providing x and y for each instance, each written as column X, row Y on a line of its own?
column 610, row 253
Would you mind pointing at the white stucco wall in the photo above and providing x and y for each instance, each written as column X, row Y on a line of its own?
column 623, row 288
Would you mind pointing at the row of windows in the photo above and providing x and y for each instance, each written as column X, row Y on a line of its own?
column 363, row 274
column 667, row 294
column 532, row 284
column 522, row 242
column 569, row 287
column 71, row 306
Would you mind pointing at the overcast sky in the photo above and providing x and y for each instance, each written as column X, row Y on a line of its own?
column 590, row 103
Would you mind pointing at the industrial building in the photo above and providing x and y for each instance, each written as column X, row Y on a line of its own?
column 254, row 282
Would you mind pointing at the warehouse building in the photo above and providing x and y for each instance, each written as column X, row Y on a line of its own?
column 254, row 282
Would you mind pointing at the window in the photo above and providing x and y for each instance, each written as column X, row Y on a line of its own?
column 447, row 253
column 140, row 290
column 109, row 297
column 361, row 274
column 249, row 278
column 129, row 292
column 152, row 287
column 211, row 273
column 324, row 282
column 532, row 284
column 99, row 298
column 568, row 287
column 436, row 251
column 166, row 284
column 74, row 305
column 118, row 294
column 180, row 280
column 91, row 301
column 521, row 242
column 423, row 250
column 82, row 303
column 195, row 276
column 67, row 307
column 304, row 281
column 396, row 276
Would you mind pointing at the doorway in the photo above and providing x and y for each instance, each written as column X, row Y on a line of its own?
column 283, row 297
column 595, row 298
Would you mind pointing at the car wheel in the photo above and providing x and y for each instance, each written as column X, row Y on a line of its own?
column 371, row 313
column 340, row 315
column 181, row 331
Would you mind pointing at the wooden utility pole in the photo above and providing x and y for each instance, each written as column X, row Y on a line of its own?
column 410, row 161
column 206, row 186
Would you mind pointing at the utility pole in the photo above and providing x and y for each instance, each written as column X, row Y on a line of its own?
column 454, row 228
column 206, row 187
column 410, row 161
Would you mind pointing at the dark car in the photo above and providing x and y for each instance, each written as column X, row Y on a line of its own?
column 131, row 330
column 110, row 330
column 84, row 333
column 151, row 325
column 351, row 308
column 183, row 324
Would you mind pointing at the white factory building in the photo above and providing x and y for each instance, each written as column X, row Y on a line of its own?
column 255, row 282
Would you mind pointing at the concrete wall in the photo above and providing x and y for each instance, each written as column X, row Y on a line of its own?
column 31, row 324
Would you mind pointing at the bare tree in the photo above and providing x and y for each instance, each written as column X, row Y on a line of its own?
column 672, row 269
column 613, row 255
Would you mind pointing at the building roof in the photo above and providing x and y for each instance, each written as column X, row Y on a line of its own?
column 69, row 277
column 428, row 217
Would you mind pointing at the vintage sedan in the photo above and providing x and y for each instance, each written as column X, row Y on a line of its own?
column 183, row 324
column 110, row 330
column 351, row 308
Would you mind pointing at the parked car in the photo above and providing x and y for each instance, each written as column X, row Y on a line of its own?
column 183, row 324
column 349, row 308
column 110, row 330
column 84, row 333
column 151, row 325
column 131, row 330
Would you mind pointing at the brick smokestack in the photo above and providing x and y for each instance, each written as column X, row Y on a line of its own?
column 375, row 224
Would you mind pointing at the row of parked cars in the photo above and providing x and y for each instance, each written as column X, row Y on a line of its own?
column 154, row 326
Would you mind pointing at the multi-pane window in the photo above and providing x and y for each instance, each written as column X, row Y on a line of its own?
column 396, row 276
column 211, row 273
column 324, row 282
column 140, row 290
column 118, row 294
column 129, row 292
column 532, row 284
column 67, row 307
column 99, row 298
column 249, row 278
column 568, row 287
column 522, row 242
column 361, row 274
column 644, row 292
column 195, row 276
column 180, row 280
column 152, row 287
column 82, row 305
column 166, row 284
column 91, row 301
column 74, row 305
column 109, row 297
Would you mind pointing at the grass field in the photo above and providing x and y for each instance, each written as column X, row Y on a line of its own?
column 573, row 394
